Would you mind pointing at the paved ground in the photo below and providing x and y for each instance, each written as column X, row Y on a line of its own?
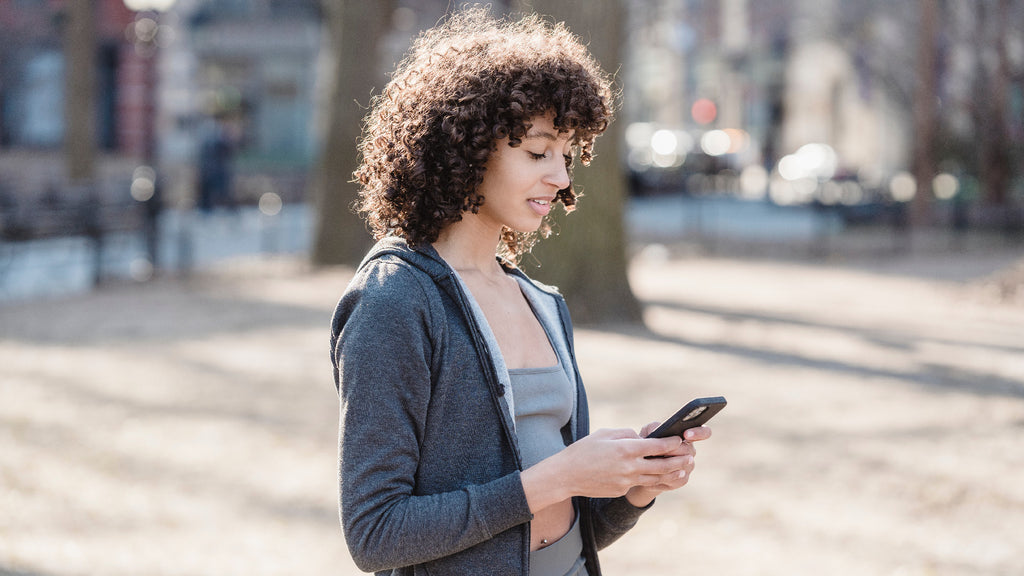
column 875, row 425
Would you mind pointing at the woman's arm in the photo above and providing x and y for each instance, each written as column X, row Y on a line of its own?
column 383, row 353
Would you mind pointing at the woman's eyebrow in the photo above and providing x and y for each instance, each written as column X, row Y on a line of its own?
column 541, row 134
column 545, row 134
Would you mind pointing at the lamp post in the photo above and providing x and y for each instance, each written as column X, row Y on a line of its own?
column 148, row 5
column 146, row 35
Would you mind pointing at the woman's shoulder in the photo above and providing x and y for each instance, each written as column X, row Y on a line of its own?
column 390, row 279
column 387, row 294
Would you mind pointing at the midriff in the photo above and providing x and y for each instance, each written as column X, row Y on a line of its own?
column 551, row 523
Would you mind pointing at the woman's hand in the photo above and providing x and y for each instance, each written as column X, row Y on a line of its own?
column 682, row 457
column 607, row 463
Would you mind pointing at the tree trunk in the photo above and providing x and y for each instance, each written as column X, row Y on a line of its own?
column 354, row 28
column 80, row 91
column 997, row 144
column 924, row 114
column 586, row 258
column 1002, row 173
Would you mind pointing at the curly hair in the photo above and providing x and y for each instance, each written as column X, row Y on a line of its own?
column 464, row 85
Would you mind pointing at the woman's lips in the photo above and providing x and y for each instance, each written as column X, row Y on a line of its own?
column 540, row 206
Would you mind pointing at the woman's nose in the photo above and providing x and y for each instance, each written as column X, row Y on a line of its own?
column 559, row 175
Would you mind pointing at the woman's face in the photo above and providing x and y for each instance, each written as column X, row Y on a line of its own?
column 520, row 183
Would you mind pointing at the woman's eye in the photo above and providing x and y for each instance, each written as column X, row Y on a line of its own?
column 536, row 156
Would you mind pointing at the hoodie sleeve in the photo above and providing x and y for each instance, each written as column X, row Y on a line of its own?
column 613, row 517
column 382, row 347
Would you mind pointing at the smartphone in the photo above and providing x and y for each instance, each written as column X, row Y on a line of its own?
column 696, row 413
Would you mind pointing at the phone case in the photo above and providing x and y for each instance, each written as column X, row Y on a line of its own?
column 696, row 413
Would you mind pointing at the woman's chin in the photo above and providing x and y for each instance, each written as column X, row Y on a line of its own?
column 523, row 228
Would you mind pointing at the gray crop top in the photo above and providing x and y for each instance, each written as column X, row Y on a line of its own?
column 544, row 404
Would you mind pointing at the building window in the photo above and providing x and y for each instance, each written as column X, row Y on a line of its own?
column 34, row 104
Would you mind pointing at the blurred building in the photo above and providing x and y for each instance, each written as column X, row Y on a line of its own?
column 163, row 80
column 249, row 64
column 743, row 84
column 32, row 97
column 736, row 96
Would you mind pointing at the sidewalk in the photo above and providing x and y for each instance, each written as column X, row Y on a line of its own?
column 188, row 426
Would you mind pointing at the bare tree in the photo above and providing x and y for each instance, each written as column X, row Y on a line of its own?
column 990, row 112
column 80, row 90
column 587, row 260
column 354, row 29
column 924, row 113
column 924, row 80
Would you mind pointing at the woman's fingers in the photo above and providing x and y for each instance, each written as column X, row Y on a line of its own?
column 648, row 428
column 697, row 434
column 677, row 476
column 672, row 469
column 610, row 461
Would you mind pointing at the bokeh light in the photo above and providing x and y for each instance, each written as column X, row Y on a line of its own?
column 703, row 111
column 830, row 193
column 638, row 134
column 715, row 143
column 809, row 161
column 142, row 5
column 753, row 182
column 852, row 193
column 270, row 203
column 664, row 142
column 739, row 140
column 140, row 270
column 903, row 187
column 781, row 192
column 143, row 183
column 945, row 186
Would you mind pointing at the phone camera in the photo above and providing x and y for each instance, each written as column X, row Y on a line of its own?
column 695, row 412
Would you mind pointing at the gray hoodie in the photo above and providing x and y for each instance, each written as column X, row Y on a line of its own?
column 429, row 465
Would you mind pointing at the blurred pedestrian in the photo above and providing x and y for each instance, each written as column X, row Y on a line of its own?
column 214, row 166
column 464, row 439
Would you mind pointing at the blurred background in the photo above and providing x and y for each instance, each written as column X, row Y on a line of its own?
column 131, row 130
column 812, row 207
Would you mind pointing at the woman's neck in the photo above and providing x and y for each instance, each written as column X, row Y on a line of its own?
column 467, row 246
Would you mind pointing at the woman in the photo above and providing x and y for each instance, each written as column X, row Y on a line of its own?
column 464, row 445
